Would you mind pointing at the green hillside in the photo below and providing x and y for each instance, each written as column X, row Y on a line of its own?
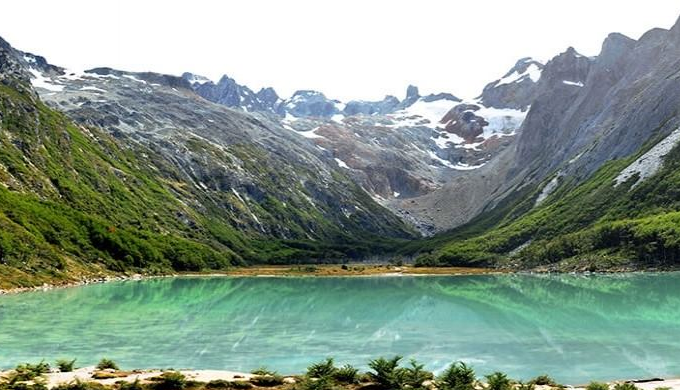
column 591, row 225
column 75, row 202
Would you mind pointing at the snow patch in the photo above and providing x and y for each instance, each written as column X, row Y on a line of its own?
column 547, row 190
column 337, row 118
column 196, row 79
column 649, row 163
column 133, row 78
column 504, row 121
column 444, row 140
column 307, row 134
column 90, row 88
column 449, row 164
column 573, row 160
column 532, row 72
column 432, row 111
column 341, row 163
column 40, row 81
column 574, row 83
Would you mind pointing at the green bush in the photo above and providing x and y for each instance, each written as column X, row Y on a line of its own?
column 597, row 386
column 218, row 384
column 263, row 371
column 240, row 385
column 80, row 385
column 136, row 385
column 457, row 377
column 544, row 380
column 36, row 385
column 65, row 365
column 321, row 383
column 386, row 373
column 107, row 364
column 222, row 384
column 267, row 380
column 525, row 386
column 346, row 374
column 626, row 386
column 28, row 371
column 171, row 380
column 413, row 376
column 322, row 369
column 498, row 381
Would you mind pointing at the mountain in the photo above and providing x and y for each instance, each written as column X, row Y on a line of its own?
column 591, row 181
column 135, row 172
column 568, row 165
column 231, row 94
column 406, row 152
column 516, row 89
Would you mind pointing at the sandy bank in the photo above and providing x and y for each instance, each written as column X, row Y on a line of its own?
column 85, row 374
column 324, row 270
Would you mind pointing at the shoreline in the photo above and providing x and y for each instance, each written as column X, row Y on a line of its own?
column 113, row 377
column 350, row 270
column 303, row 270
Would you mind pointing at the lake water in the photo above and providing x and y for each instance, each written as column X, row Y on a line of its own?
column 575, row 328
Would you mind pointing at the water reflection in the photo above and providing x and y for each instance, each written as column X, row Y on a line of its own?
column 576, row 328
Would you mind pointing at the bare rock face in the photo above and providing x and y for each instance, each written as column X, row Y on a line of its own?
column 362, row 107
column 243, row 168
column 462, row 121
column 516, row 89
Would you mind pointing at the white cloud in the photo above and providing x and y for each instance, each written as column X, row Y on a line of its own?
column 347, row 49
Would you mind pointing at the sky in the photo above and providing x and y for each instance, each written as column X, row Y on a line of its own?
column 348, row 49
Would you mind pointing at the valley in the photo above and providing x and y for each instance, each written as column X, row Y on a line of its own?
column 568, row 165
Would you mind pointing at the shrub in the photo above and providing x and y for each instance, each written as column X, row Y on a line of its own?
column 263, row 371
column 457, row 377
column 107, row 364
column 525, row 386
column 36, row 385
column 267, row 380
column 597, row 386
column 544, row 380
column 322, row 369
column 66, row 365
column 222, row 384
column 218, row 384
column 498, row 381
column 386, row 372
column 136, row 385
column 321, row 383
column 626, row 386
column 413, row 376
column 346, row 374
column 240, row 385
column 28, row 371
column 79, row 385
column 171, row 380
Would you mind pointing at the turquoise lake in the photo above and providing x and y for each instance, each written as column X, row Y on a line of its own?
column 575, row 328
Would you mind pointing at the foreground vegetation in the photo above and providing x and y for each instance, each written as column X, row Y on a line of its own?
column 383, row 374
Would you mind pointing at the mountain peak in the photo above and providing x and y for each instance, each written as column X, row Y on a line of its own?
column 195, row 79
column 412, row 92
column 516, row 89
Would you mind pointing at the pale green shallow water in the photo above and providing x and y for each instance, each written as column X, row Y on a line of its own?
column 575, row 328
